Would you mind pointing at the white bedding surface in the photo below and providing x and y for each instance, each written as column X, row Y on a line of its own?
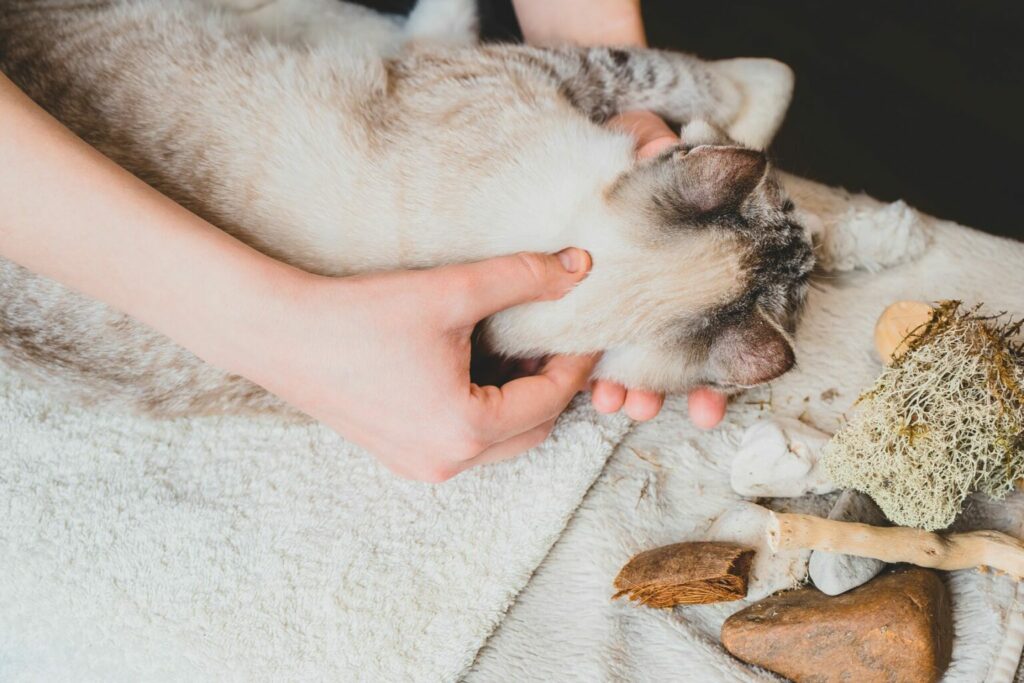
column 668, row 480
column 253, row 549
column 250, row 549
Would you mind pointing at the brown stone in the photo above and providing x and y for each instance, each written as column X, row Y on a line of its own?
column 895, row 628
column 686, row 574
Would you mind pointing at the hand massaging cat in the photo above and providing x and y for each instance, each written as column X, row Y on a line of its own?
column 344, row 141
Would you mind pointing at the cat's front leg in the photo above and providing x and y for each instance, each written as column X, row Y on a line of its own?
column 747, row 98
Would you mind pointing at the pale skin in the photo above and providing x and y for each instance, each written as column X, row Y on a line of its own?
column 383, row 359
column 615, row 22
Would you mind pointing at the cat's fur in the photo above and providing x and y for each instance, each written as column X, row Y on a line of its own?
column 343, row 141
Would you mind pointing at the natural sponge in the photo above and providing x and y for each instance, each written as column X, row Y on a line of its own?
column 945, row 420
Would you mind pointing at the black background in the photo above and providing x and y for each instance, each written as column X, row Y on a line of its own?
column 922, row 101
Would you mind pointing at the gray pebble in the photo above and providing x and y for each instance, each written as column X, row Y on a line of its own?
column 834, row 573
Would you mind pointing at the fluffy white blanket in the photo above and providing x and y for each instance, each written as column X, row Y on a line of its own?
column 250, row 549
column 668, row 481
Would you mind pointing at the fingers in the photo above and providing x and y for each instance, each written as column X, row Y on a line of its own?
column 651, row 133
column 643, row 405
column 607, row 397
column 707, row 407
column 501, row 413
column 487, row 287
column 512, row 447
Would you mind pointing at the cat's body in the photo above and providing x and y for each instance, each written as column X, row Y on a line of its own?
column 338, row 148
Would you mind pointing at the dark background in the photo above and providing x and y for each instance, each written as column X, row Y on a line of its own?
column 914, row 100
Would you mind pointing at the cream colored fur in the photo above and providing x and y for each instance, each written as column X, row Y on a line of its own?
column 306, row 142
column 244, row 549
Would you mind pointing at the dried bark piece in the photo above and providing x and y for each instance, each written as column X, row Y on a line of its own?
column 898, row 627
column 694, row 573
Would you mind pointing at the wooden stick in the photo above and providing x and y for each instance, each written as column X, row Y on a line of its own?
column 899, row 544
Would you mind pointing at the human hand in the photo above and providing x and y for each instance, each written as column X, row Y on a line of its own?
column 384, row 360
column 706, row 406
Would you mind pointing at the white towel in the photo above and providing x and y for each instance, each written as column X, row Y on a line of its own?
column 252, row 549
column 668, row 480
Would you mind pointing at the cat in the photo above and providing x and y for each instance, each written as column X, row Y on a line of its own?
column 344, row 141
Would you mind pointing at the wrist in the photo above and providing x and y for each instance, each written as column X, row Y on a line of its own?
column 229, row 306
column 244, row 328
column 581, row 22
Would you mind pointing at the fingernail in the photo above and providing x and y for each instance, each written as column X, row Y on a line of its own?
column 573, row 260
column 655, row 147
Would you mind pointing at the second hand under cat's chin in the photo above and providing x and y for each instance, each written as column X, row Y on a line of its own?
column 706, row 407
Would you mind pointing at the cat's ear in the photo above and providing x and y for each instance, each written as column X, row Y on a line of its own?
column 712, row 179
column 751, row 352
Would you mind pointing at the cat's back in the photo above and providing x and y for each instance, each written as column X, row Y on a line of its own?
column 184, row 97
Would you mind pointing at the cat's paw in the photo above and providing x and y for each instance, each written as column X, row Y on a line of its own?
column 450, row 22
column 766, row 87
column 855, row 231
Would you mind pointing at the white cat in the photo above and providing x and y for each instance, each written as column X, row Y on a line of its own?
column 344, row 141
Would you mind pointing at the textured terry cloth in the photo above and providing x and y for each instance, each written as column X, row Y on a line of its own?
column 668, row 480
column 256, row 549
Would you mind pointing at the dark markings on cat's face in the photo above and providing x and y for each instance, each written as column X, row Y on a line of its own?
column 729, row 191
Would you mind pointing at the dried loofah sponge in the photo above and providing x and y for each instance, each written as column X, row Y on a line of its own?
column 945, row 420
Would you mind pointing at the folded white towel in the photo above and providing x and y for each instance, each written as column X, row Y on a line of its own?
column 251, row 549
column 668, row 481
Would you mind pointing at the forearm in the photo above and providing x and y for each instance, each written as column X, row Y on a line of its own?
column 581, row 22
column 69, row 213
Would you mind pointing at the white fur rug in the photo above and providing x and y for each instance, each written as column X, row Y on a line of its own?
column 668, row 480
column 251, row 549
column 241, row 549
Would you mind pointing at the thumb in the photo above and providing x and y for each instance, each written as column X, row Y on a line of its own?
column 499, row 283
column 651, row 135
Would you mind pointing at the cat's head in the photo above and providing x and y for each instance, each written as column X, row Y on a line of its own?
column 700, row 281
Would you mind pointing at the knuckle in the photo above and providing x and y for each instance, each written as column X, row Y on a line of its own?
column 534, row 266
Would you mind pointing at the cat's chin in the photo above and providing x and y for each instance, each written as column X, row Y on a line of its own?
column 726, row 389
